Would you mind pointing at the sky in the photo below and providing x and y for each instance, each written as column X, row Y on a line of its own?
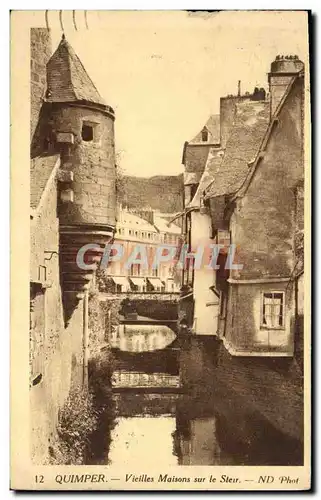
column 164, row 72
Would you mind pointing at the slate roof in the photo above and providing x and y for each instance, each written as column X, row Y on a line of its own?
column 214, row 160
column 213, row 128
column 67, row 79
column 250, row 125
column 40, row 171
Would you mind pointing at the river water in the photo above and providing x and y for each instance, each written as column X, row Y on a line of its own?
column 170, row 411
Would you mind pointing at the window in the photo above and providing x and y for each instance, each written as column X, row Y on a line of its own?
column 204, row 135
column 273, row 309
column 135, row 270
column 87, row 132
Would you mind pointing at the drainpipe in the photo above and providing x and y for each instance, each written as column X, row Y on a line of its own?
column 85, row 340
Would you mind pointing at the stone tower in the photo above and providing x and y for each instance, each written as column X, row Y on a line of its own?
column 76, row 123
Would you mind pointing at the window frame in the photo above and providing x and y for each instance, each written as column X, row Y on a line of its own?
column 278, row 327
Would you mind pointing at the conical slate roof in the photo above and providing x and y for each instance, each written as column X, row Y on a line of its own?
column 67, row 79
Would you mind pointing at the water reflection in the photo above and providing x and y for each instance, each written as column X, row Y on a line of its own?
column 134, row 443
column 170, row 409
column 141, row 338
column 196, row 443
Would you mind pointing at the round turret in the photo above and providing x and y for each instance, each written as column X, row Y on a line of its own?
column 79, row 125
column 82, row 130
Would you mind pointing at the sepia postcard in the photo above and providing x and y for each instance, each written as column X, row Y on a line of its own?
column 160, row 242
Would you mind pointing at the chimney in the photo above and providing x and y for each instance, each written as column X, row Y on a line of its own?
column 283, row 69
column 239, row 88
column 259, row 94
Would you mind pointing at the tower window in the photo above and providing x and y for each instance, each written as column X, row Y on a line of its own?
column 87, row 132
column 204, row 135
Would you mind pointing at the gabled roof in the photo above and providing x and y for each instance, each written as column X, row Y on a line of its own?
column 40, row 171
column 250, row 125
column 67, row 79
column 214, row 160
column 213, row 128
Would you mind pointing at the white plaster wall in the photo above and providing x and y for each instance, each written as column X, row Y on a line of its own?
column 206, row 308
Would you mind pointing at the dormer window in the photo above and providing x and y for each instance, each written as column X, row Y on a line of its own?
column 204, row 135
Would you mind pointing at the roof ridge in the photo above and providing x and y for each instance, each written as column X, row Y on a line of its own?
column 64, row 43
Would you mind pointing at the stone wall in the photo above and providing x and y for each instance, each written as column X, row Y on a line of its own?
column 60, row 352
column 264, row 220
column 227, row 114
column 40, row 53
column 244, row 331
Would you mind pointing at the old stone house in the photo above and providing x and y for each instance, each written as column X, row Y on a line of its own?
column 255, row 197
column 72, row 196
column 240, row 125
column 266, row 227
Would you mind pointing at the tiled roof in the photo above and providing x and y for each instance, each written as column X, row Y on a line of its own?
column 250, row 125
column 213, row 163
column 40, row 170
column 213, row 127
column 67, row 79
